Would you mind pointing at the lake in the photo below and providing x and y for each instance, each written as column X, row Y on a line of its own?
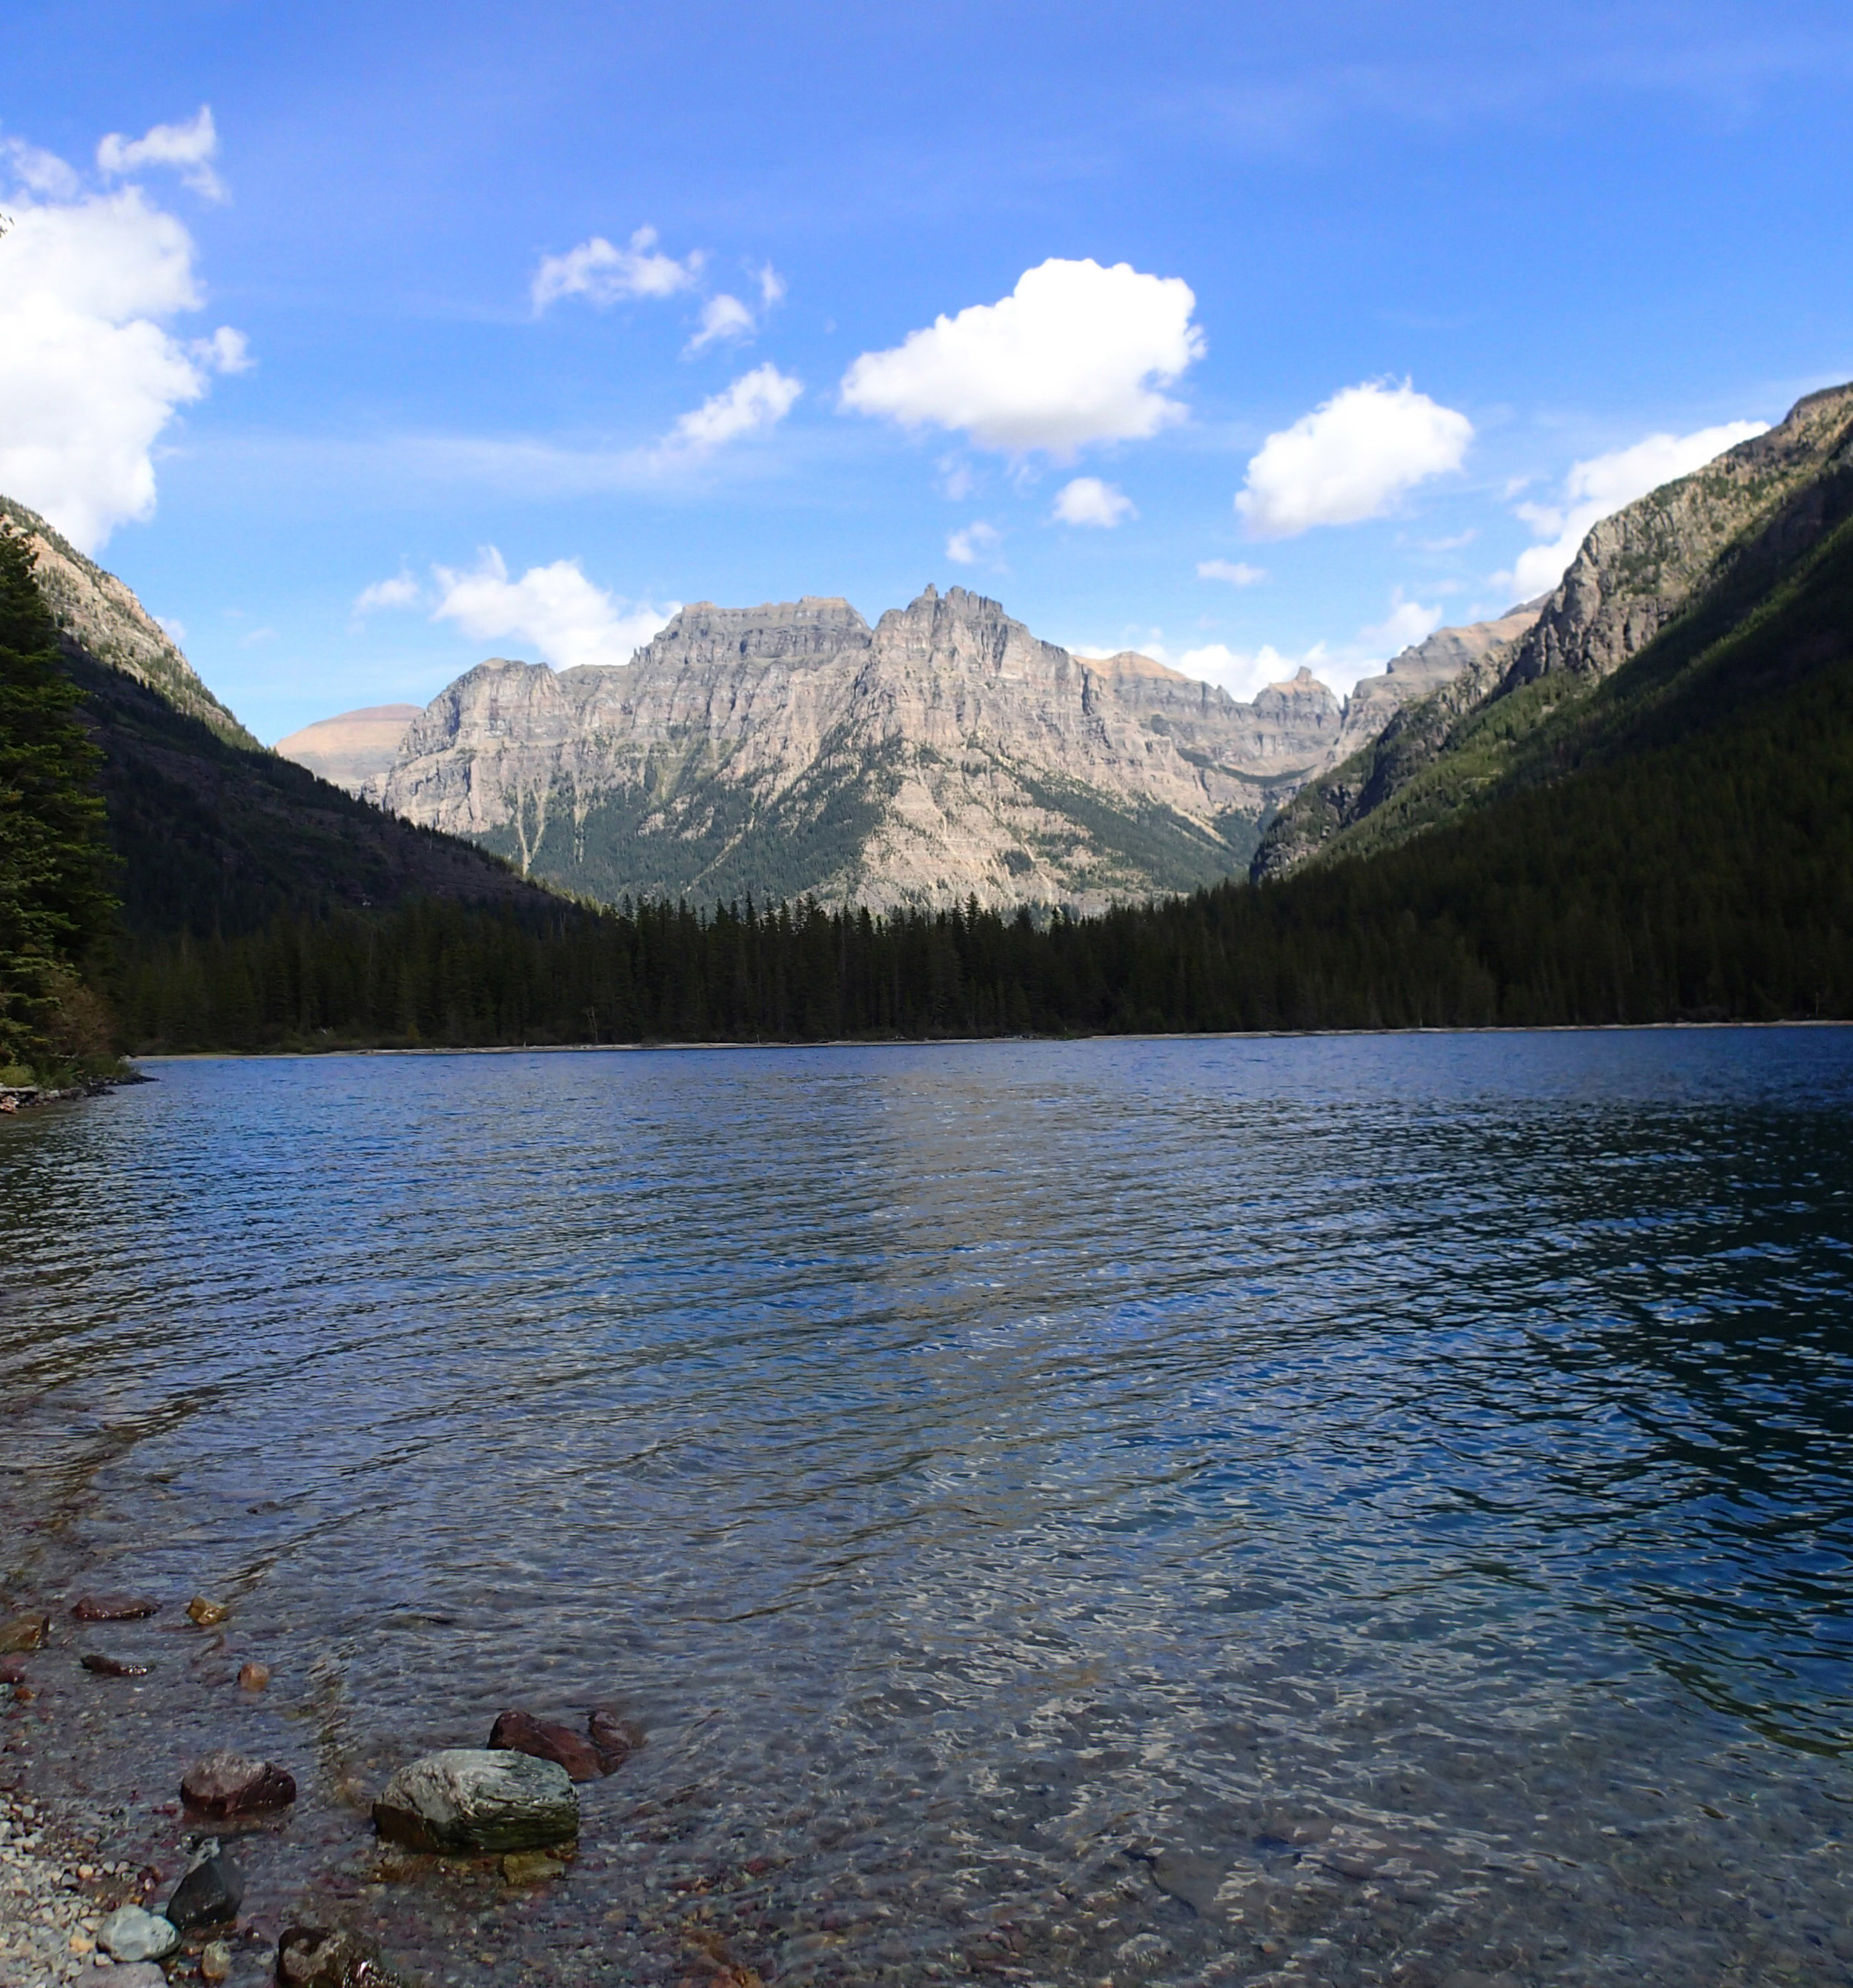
column 1319, row 1510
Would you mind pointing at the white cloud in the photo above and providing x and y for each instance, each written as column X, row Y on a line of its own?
column 760, row 399
column 1408, row 622
column 722, row 317
column 1235, row 571
column 191, row 148
column 1351, row 459
column 771, row 285
column 173, row 628
column 605, row 275
column 1597, row 488
column 555, row 609
column 974, row 546
column 1072, row 356
column 90, row 373
column 402, row 590
column 1241, row 672
column 1088, row 500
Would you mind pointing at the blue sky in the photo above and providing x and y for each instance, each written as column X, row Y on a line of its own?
column 1476, row 272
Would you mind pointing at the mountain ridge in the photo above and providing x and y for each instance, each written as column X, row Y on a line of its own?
column 1635, row 575
column 794, row 749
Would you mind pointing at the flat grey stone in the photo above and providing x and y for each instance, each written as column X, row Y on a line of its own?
column 473, row 1799
column 130, row 1934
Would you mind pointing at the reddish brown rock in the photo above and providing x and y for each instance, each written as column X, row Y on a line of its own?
column 615, row 1738
column 520, row 1732
column 223, row 1783
column 106, row 1666
column 253, row 1676
column 308, row 1958
column 24, row 1632
column 113, row 1607
column 12, row 1670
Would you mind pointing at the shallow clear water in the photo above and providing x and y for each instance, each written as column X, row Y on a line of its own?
column 1336, row 1510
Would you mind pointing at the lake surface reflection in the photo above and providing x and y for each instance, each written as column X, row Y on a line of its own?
column 1330, row 1511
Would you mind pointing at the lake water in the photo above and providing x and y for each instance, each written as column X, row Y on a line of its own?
column 1330, row 1511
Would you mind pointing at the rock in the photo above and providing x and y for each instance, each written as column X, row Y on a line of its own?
column 520, row 1732
column 253, row 1676
column 12, row 1670
column 208, row 1614
column 467, row 1799
column 106, row 1666
column 616, row 1738
column 1183, row 1874
column 114, row 1608
column 530, row 1867
column 215, row 1962
column 24, row 1632
column 136, row 1974
column 209, row 1895
column 307, row 1958
column 129, row 1933
column 223, row 1783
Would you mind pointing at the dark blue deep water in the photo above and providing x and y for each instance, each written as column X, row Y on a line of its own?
column 1329, row 1510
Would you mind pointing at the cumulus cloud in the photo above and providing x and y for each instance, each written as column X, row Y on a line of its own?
column 758, row 400
column 190, row 148
column 402, row 590
column 771, row 285
column 90, row 372
column 605, row 275
column 1597, row 488
column 976, row 545
column 1074, row 355
column 1235, row 571
column 1408, row 622
column 555, row 609
column 1088, row 500
column 1351, row 459
column 723, row 317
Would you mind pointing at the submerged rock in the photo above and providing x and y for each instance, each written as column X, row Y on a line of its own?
column 209, row 1894
column 520, row 1732
column 253, row 1676
column 208, row 1614
column 308, row 1958
column 215, row 1962
column 129, row 1933
column 108, row 1666
column 24, row 1632
column 468, row 1799
column 223, row 1783
column 113, row 1607
column 530, row 1867
column 616, row 1738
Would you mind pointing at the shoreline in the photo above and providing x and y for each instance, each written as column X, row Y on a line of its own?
column 679, row 1047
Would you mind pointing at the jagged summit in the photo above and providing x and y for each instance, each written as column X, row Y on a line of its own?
column 791, row 749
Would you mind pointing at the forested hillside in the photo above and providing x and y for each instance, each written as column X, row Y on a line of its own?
column 1693, row 859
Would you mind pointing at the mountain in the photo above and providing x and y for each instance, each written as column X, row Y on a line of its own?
column 1703, row 545
column 211, row 832
column 355, row 749
column 791, row 749
column 96, row 612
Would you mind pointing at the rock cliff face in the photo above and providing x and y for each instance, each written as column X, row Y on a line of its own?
column 96, row 614
column 793, row 748
column 1760, row 503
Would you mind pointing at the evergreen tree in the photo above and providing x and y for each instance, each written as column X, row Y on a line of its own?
column 55, row 908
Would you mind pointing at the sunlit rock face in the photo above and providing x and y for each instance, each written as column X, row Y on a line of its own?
column 792, row 750
column 355, row 750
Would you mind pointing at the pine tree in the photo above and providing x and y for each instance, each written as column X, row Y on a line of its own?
column 57, row 911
